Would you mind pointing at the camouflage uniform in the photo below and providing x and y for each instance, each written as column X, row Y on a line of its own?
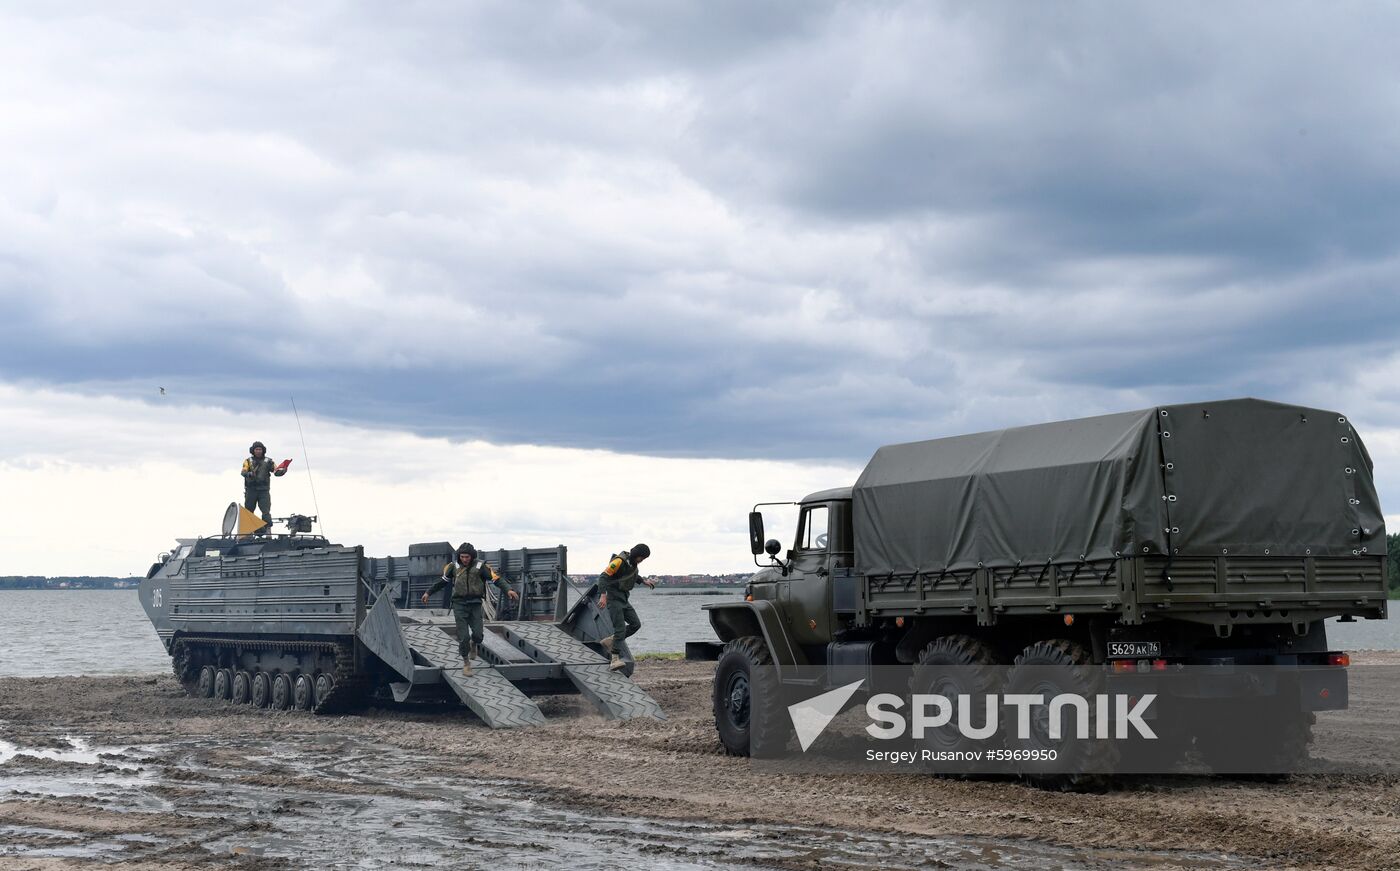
column 468, row 588
column 257, row 482
column 616, row 582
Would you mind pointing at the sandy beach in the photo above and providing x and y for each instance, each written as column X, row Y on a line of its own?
column 129, row 768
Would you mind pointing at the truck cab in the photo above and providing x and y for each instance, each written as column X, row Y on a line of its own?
column 801, row 583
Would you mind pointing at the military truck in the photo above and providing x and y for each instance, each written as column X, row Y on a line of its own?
column 1217, row 534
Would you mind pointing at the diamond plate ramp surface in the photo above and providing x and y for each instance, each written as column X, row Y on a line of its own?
column 611, row 692
column 486, row 693
column 550, row 643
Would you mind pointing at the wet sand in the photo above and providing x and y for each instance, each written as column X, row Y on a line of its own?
column 97, row 770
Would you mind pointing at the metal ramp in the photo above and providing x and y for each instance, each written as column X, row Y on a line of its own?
column 612, row 693
column 487, row 693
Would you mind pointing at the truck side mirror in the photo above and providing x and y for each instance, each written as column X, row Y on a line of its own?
column 772, row 547
column 756, row 532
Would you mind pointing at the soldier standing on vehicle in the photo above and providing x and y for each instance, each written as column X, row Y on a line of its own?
column 615, row 584
column 468, row 577
column 258, row 472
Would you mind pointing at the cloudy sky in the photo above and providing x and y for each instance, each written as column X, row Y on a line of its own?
column 592, row 272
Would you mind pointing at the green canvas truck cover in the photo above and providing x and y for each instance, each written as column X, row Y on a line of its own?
column 1239, row 477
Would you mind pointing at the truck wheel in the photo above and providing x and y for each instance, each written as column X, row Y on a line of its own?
column 1049, row 669
column 1271, row 744
column 951, row 666
column 1137, row 755
column 748, row 714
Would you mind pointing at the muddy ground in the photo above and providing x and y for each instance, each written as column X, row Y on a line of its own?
column 101, row 770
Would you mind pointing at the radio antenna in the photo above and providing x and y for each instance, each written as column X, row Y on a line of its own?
column 307, row 457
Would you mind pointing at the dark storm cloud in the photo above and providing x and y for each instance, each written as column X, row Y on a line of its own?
column 778, row 229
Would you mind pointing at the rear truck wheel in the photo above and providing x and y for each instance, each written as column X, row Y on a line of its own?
column 303, row 692
column 281, row 692
column 242, row 687
column 325, row 683
column 205, row 688
column 262, row 690
column 953, row 666
column 223, row 682
column 1161, row 755
column 1270, row 743
column 748, row 712
column 1049, row 669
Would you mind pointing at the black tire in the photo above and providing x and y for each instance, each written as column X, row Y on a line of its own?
column 1270, row 744
column 223, row 683
column 1138, row 755
column 303, row 692
column 748, row 711
column 205, row 688
column 242, row 688
column 951, row 666
column 1050, row 668
column 281, row 692
column 261, row 693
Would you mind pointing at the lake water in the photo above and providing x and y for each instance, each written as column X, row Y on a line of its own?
column 58, row 632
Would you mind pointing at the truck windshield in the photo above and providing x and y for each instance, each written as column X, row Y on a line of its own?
column 813, row 533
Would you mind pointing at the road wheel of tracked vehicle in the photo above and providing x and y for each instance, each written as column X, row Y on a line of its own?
column 262, row 690
column 242, row 687
column 1049, row 669
column 1269, row 743
column 325, row 684
column 748, row 710
column 223, row 683
column 281, row 692
column 303, row 692
column 205, row 688
column 954, row 666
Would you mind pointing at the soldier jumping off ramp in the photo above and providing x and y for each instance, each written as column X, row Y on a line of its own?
column 615, row 584
column 468, row 577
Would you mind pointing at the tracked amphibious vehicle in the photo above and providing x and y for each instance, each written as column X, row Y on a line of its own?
column 294, row 621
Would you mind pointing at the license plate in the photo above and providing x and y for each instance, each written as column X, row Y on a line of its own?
column 1134, row 649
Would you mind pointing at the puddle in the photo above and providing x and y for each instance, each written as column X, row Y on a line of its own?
column 330, row 802
column 79, row 770
column 79, row 752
